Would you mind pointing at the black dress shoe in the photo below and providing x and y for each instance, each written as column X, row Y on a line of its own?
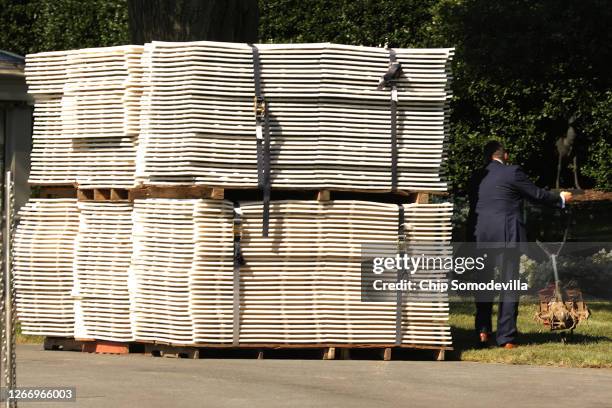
column 483, row 339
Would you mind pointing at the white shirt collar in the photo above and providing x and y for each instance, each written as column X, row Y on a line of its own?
column 499, row 160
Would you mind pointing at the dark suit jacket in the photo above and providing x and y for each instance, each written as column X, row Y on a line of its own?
column 496, row 195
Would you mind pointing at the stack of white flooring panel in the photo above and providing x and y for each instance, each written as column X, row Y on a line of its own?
column 103, row 252
column 43, row 266
column 181, row 266
column 101, row 113
column 188, row 108
column 164, row 250
column 165, row 269
column 329, row 124
column 46, row 72
column 87, row 115
column 52, row 151
column 212, row 272
column 303, row 283
column 165, row 272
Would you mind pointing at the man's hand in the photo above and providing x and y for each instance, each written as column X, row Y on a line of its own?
column 567, row 196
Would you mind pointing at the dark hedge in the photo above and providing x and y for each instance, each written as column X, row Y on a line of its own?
column 522, row 68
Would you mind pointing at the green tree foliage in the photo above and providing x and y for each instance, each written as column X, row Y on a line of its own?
column 522, row 67
column 362, row 22
column 43, row 25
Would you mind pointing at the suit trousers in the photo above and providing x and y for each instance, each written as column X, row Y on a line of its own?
column 507, row 262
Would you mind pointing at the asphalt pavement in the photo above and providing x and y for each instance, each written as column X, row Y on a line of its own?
column 141, row 381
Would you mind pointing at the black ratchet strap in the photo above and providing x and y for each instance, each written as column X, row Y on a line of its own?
column 238, row 262
column 401, row 236
column 262, row 132
column 389, row 79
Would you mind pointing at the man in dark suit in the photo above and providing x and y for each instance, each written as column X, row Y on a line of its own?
column 496, row 195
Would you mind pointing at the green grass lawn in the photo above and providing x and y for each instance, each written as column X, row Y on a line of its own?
column 590, row 345
column 27, row 338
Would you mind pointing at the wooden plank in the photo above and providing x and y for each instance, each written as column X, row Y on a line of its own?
column 84, row 339
column 105, row 347
column 102, row 194
column 119, row 194
column 323, row 195
column 329, row 353
column 217, row 193
column 280, row 346
column 85, row 195
column 422, row 198
column 175, row 192
column 439, row 355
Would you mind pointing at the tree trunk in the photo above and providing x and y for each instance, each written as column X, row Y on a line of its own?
column 193, row 20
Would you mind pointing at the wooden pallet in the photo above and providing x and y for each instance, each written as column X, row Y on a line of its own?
column 237, row 193
column 215, row 193
column 82, row 194
column 219, row 193
column 105, row 347
column 328, row 351
column 86, row 345
column 297, row 351
column 103, row 194
column 258, row 351
column 382, row 196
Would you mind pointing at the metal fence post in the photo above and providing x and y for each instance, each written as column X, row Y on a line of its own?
column 9, row 373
